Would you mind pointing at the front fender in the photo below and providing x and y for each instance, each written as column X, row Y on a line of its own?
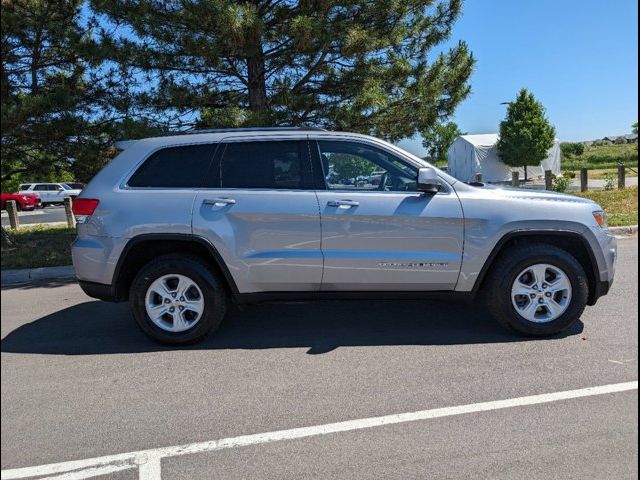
column 484, row 240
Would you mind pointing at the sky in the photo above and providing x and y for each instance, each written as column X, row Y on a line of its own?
column 579, row 58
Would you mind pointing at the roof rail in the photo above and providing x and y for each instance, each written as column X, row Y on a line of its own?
column 251, row 129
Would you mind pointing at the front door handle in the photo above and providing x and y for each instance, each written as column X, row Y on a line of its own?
column 218, row 201
column 342, row 203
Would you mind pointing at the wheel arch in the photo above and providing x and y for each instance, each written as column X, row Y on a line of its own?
column 569, row 241
column 140, row 249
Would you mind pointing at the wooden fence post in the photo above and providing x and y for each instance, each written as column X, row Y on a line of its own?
column 584, row 179
column 548, row 179
column 621, row 176
column 478, row 178
column 68, row 210
column 12, row 210
column 515, row 179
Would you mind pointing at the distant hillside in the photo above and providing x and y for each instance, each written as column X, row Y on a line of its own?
column 604, row 155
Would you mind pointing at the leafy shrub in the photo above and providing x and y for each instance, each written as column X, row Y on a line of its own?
column 610, row 181
column 572, row 149
column 561, row 183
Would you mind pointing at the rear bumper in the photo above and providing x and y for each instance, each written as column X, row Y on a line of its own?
column 99, row 290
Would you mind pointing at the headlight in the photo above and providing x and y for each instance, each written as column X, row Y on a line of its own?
column 601, row 218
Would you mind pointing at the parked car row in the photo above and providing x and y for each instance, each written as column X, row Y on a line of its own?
column 35, row 195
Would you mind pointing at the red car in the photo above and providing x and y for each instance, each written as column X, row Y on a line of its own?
column 24, row 201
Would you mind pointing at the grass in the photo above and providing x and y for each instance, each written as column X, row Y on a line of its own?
column 621, row 206
column 604, row 157
column 39, row 246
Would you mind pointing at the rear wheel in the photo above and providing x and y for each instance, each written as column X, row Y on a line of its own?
column 176, row 299
column 537, row 290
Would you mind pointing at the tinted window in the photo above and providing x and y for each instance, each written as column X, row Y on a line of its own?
column 24, row 186
column 273, row 165
column 356, row 166
column 41, row 188
column 175, row 167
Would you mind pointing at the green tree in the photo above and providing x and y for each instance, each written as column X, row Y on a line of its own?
column 570, row 149
column 438, row 139
column 348, row 65
column 349, row 166
column 41, row 84
column 525, row 134
column 62, row 105
column 634, row 128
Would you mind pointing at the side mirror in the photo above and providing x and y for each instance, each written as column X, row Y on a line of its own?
column 59, row 188
column 428, row 181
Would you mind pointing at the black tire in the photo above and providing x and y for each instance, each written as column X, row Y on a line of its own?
column 195, row 268
column 503, row 274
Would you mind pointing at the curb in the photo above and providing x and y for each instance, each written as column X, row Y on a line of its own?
column 626, row 230
column 25, row 275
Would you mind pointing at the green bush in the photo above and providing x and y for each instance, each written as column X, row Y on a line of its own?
column 561, row 183
column 571, row 149
column 610, row 181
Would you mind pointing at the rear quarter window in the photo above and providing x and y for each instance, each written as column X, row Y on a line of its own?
column 175, row 167
column 267, row 165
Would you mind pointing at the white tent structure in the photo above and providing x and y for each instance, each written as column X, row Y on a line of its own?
column 472, row 154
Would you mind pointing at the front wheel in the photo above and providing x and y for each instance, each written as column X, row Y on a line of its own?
column 176, row 299
column 537, row 290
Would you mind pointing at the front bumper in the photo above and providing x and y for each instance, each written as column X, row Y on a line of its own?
column 608, row 246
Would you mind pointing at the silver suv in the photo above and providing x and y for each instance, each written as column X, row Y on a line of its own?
column 181, row 225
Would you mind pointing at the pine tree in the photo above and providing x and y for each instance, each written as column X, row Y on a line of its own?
column 525, row 135
column 348, row 65
column 61, row 105
column 41, row 83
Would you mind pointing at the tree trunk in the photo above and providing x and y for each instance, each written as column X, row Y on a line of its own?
column 525, row 174
column 256, row 75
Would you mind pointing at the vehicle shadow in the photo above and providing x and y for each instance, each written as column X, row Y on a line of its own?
column 95, row 327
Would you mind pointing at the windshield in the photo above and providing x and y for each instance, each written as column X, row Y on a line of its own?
column 65, row 186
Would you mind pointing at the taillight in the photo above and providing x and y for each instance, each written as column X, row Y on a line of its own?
column 83, row 207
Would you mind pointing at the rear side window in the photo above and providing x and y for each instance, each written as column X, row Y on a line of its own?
column 24, row 186
column 271, row 165
column 175, row 167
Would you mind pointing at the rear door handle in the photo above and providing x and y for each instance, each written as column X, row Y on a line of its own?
column 218, row 201
column 342, row 203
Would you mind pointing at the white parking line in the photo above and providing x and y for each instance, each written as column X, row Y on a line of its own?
column 148, row 461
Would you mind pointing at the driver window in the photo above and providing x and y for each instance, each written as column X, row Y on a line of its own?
column 359, row 167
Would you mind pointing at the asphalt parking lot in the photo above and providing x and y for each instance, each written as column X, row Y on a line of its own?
column 80, row 382
column 51, row 214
